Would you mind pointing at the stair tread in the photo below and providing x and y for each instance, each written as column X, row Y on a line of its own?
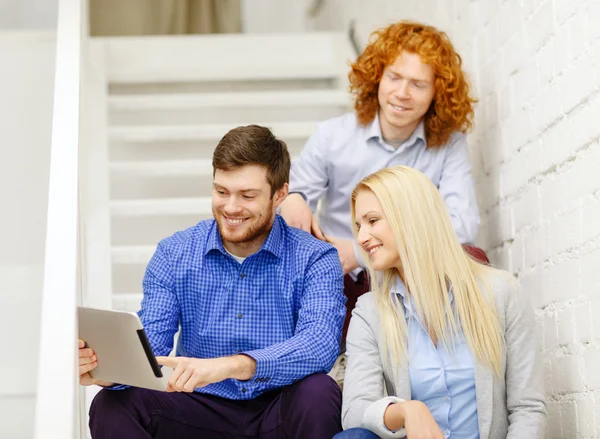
column 284, row 130
column 161, row 206
column 262, row 56
column 127, row 301
column 139, row 254
column 179, row 101
column 162, row 168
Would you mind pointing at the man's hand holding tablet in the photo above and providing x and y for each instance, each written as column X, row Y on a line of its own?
column 87, row 363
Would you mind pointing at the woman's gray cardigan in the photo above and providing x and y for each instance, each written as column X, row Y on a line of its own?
column 508, row 407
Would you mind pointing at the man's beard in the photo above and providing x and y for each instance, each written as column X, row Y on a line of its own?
column 260, row 226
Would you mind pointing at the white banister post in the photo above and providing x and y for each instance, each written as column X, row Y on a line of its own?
column 56, row 405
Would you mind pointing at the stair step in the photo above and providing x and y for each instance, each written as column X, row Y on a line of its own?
column 127, row 301
column 163, row 168
column 221, row 107
column 200, row 58
column 132, row 254
column 161, row 207
column 189, row 101
column 208, row 132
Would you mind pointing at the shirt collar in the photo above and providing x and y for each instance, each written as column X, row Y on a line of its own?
column 400, row 289
column 373, row 131
column 273, row 244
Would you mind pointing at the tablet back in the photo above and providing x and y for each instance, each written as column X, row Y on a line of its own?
column 120, row 343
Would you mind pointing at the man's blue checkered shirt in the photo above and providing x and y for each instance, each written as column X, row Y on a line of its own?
column 283, row 306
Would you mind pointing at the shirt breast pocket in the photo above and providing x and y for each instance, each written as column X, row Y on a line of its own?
column 275, row 309
column 203, row 293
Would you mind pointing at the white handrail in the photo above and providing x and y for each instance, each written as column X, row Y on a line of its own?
column 56, row 405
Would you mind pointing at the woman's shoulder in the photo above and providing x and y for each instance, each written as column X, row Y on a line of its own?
column 367, row 301
column 501, row 284
column 366, row 306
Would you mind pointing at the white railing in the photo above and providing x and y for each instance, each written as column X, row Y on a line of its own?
column 56, row 414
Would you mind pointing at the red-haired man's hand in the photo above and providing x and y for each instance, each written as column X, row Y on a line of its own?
column 296, row 213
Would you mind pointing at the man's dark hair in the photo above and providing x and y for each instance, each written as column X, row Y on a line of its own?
column 254, row 145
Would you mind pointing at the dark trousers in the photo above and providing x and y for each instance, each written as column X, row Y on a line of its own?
column 309, row 408
column 353, row 289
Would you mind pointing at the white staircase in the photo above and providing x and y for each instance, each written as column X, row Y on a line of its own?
column 169, row 101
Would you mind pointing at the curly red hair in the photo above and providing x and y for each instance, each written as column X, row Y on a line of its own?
column 452, row 106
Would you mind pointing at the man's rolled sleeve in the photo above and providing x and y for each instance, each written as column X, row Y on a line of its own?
column 308, row 174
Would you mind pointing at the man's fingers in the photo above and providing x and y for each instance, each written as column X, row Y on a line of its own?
column 177, row 372
column 302, row 225
column 187, row 382
column 182, row 380
column 316, row 229
column 306, row 226
column 189, row 386
column 193, row 385
column 86, row 353
column 171, row 362
column 87, row 360
column 85, row 368
column 81, row 344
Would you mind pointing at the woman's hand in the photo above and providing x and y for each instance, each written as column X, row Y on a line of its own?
column 415, row 417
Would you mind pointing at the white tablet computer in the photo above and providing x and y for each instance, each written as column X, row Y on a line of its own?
column 120, row 343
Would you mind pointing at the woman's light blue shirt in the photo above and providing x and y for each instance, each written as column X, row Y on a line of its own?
column 443, row 379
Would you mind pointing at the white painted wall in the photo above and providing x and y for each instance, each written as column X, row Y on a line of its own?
column 535, row 65
column 28, row 14
column 270, row 16
column 26, row 85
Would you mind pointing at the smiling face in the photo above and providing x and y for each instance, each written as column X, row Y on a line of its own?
column 405, row 94
column 243, row 207
column 374, row 232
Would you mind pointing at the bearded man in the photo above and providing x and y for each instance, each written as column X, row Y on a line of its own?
column 260, row 308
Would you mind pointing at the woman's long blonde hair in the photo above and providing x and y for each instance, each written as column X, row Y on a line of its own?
column 432, row 260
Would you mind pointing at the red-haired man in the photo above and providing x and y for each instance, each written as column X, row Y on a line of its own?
column 413, row 107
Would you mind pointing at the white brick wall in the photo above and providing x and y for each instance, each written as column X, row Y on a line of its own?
column 535, row 67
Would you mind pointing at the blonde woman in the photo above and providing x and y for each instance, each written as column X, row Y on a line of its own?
column 451, row 341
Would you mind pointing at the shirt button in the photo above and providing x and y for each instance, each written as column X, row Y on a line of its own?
column 240, row 315
column 446, row 398
column 239, row 351
column 242, row 275
column 446, row 432
column 243, row 390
